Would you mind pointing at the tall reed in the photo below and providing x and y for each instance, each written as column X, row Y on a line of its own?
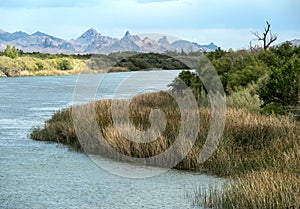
column 260, row 153
column 251, row 141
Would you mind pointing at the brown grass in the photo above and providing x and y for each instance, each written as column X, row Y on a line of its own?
column 251, row 141
column 263, row 189
column 259, row 152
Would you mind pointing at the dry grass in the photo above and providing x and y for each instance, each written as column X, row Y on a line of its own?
column 31, row 66
column 260, row 152
column 251, row 141
column 263, row 189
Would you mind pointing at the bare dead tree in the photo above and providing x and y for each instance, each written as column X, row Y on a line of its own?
column 267, row 37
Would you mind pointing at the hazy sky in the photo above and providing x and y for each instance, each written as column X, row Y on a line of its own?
column 227, row 23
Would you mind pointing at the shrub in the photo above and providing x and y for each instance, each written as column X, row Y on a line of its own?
column 11, row 52
column 65, row 64
column 283, row 86
column 40, row 65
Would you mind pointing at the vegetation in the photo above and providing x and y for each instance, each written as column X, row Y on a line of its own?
column 260, row 151
column 65, row 64
column 252, row 141
column 283, row 86
column 30, row 66
column 150, row 61
column 263, row 189
column 262, row 171
column 260, row 147
column 11, row 52
column 273, row 76
column 15, row 62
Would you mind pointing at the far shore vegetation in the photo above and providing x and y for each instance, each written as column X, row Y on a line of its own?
column 259, row 152
column 14, row 62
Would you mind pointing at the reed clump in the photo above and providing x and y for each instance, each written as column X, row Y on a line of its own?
column 263, row 189
column 259, row 153
column 251, row 141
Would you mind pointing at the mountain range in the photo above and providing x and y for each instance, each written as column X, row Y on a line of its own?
column 93, row 42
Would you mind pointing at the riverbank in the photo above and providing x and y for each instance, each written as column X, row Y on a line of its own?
column 264, row 148
column 36, row 64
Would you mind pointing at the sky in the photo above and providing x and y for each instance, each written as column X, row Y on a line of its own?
column 227, row 23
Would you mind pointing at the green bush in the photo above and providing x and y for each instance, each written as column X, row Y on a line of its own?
column 283, row 86
column 40, row 65
column 244, row 99
column 65, row 64
column 11, row 52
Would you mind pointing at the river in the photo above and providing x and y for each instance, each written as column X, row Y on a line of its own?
column 48, row 175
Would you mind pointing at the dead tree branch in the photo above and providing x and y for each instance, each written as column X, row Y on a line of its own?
column 267, row 41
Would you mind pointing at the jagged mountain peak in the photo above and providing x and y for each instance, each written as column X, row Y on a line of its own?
column 127, row 34
column 93, row 42
column 19, row 34
column 210, row 46
column 92, row 32
column 163, row 40
column 38, row 33
column 128, row 37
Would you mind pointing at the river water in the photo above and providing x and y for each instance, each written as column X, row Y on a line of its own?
column 48, row 175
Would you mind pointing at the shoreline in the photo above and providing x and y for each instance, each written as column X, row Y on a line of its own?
column 61, row 64
column 254, row 122
column 251, row 148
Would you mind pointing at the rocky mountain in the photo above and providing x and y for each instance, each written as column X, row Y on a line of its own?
column 93, row 42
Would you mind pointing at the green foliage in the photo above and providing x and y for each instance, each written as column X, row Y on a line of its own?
column 56, row 56
column 283, row 86
column 216, row 54
column 144, row 61
column 242, row 77
column 238, row 69
column 285, row 51
column 40, row 65
column 64, row 64
column 11, row 52
column 269, row 58
column 274, row 73
column 244, row 99
column 185, row 79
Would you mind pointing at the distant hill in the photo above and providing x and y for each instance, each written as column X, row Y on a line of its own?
column 93, row 42
column 294, row 42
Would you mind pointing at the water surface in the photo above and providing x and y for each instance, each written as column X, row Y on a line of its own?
column 48, row 175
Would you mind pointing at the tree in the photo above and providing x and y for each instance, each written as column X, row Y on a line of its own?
column 11, row 52
column 187, row 79
column 267, row 37
column 283, row 86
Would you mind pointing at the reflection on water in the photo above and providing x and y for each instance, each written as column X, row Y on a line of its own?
column 47, row 175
